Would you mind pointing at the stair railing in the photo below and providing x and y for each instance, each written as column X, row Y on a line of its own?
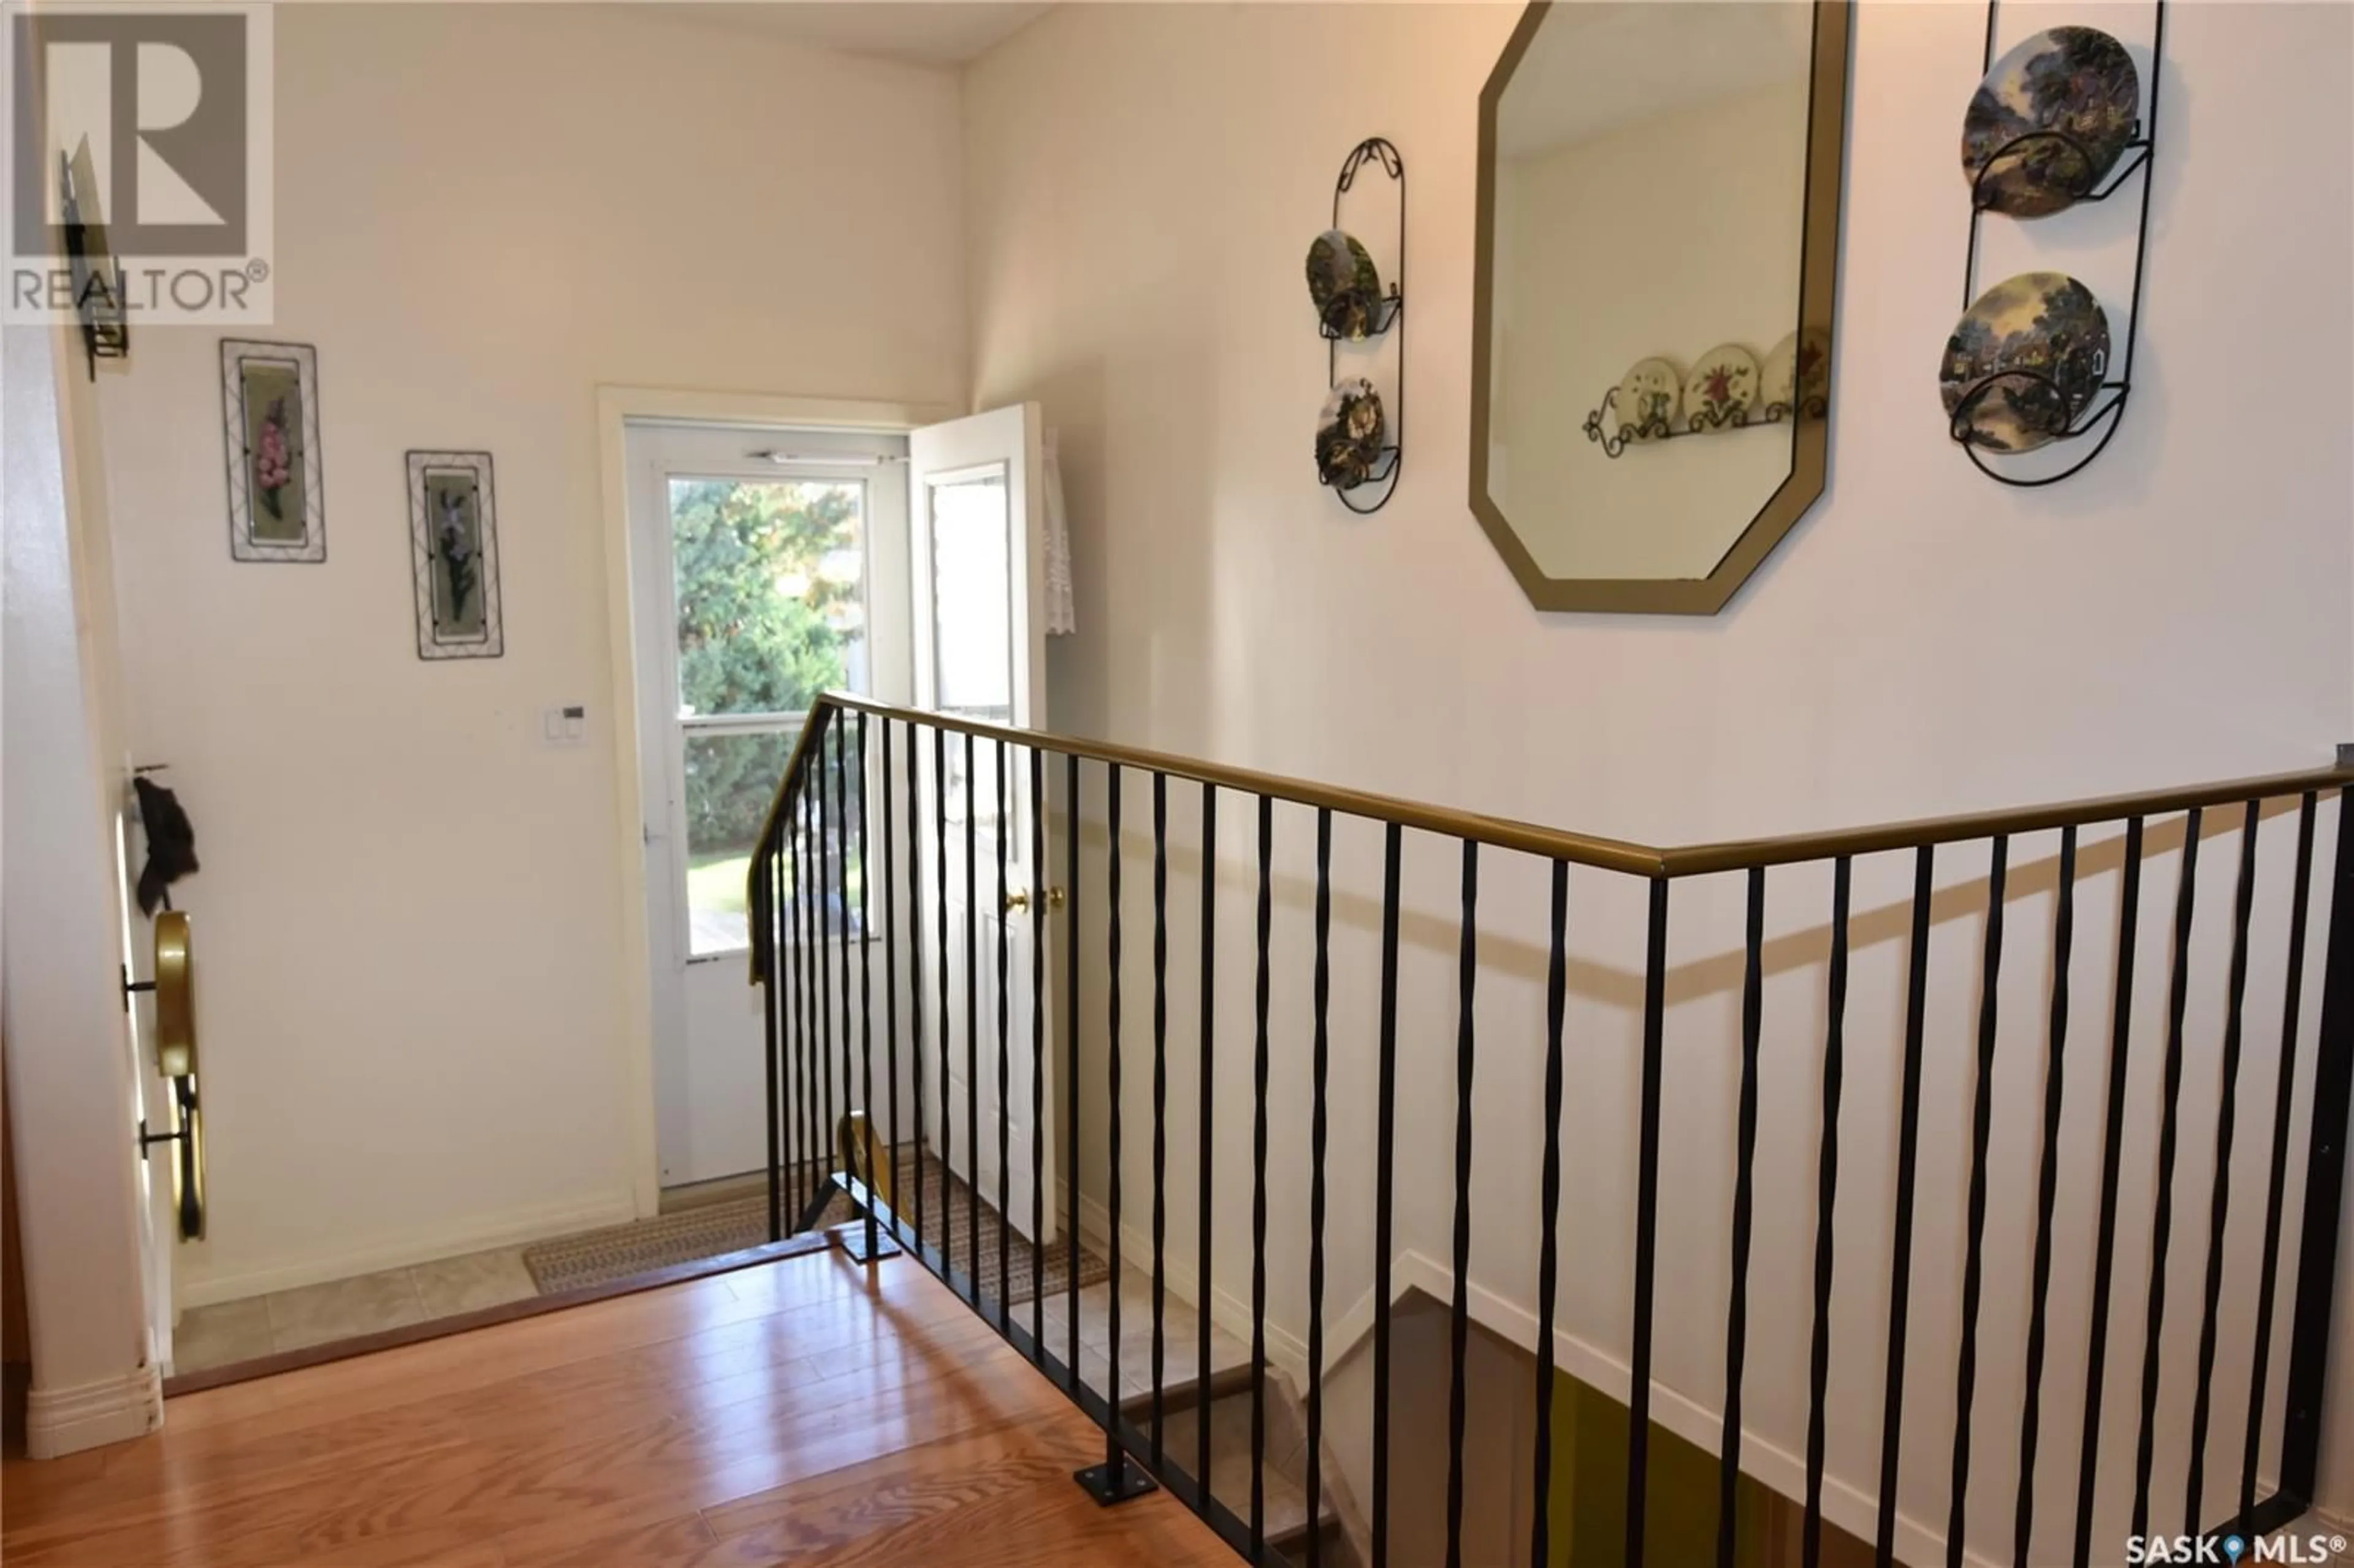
column 869, row 779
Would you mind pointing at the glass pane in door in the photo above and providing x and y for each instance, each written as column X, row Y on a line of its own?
column 973, row 624
column 771, row 591
column 972, row 587
column 730, row 778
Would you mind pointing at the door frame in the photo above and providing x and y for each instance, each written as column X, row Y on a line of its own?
column 617, row 406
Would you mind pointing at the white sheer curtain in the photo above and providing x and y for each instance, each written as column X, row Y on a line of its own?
column 1062, row 615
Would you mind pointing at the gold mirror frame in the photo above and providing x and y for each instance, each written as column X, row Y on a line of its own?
column 1817, row 275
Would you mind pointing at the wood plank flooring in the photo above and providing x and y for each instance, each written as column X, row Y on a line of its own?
column 797, row 1413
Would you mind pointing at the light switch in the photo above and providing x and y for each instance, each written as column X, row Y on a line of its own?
column 566, row 724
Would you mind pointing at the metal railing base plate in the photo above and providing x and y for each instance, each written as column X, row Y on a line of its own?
column 1099, row 1483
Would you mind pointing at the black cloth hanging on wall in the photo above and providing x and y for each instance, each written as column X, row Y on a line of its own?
column 171, row 844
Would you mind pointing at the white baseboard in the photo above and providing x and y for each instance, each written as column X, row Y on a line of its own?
column 513, row 1228
column 61, row 1421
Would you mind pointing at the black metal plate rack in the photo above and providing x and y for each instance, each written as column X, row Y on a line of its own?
column 2105, row 409
column 1388, row 317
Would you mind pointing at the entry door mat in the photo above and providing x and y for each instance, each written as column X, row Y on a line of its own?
column 974, row 1253
column 623, row 1252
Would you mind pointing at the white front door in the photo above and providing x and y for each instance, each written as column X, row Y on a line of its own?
column 767, row 566
column 977, row 567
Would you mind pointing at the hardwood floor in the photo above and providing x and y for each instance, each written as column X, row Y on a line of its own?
column 789, row 1413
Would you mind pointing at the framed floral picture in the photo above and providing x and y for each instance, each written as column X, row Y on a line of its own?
column 453, row 539
column 277, row 503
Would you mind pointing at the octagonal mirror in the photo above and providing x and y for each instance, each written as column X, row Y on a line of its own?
column 1658, row 247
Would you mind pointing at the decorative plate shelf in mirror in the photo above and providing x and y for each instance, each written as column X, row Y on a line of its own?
column 1654, row 178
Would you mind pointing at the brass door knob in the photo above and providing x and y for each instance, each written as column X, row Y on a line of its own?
column 1019, row 898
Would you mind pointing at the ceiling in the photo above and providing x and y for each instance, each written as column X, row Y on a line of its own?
column 921, row 32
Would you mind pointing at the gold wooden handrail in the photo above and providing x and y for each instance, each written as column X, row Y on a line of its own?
column 1555, row 843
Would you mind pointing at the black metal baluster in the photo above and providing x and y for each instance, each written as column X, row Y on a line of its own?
column 1004, row 1057
column 805, row 961
column 2030, row 1424
column 1974, row 1260
column 2112, row 1158
column 1736, row 1316
column 851, row 941
column 890, row 989
column 947, row 1018
column 2284, row 1100
column 789, row 959
column 1647, row 1221
column 789, row 1024
column 822, row 1062
column 1258, row 1186
column 2162, row 1224
column 779, row 1004
column 915, row 972
column 1114, row 791
column 865, row 1008
column 1159, row 1092
column 765, row 903
column 1459, row 1325
column 1318, row 1069
column 1038, row 901
column 1207, row 1160
column 1071, row 1037
column 1385, row 1170
column 788, row 1021
column 787, row 1006
column 819, row 1008
column 1827, row 1211
column 2325, row 1183
column 1900, row 1267
column 972, row 1016
column 1119, row 1476
column 2226, row 1117
column 1549, row 1247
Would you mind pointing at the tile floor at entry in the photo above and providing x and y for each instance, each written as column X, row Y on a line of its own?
column 258, row 1326
column 233, row 1332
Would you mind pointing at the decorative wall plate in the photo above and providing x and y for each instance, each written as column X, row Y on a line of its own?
column 1722, row 389
column 1795, row 375
column 2052, row 116
column 1344, row 283
column 2024, row 361
column 1650, row 400
column 1348, row 434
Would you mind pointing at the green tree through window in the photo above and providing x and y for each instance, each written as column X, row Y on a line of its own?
column 769, row 612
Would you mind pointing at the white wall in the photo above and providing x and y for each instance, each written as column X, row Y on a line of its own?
column 68, row 1063
column 415, row 958
column 1142, row 182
